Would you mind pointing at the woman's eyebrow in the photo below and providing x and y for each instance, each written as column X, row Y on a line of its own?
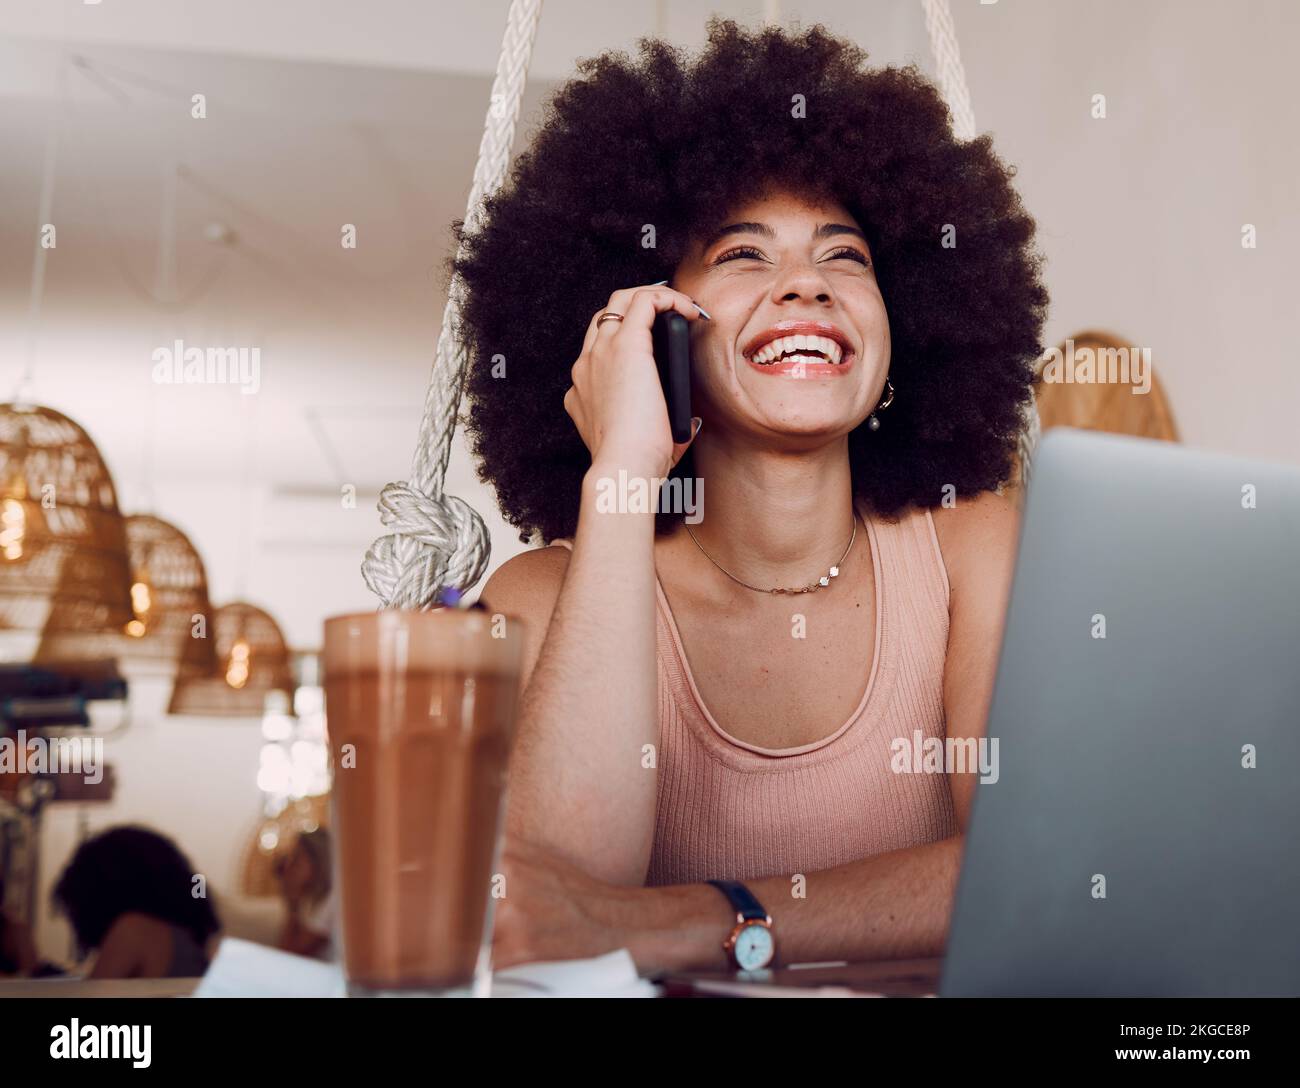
column 740, row 228
column 826, row 230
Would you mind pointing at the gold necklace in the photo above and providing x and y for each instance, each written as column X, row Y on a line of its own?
column 821, row 582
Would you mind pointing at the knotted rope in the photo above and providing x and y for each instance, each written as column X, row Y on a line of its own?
column 438, row 540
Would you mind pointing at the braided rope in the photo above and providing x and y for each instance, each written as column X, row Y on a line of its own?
column 952, row 82
column 438, row 540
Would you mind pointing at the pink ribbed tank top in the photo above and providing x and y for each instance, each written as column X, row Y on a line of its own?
column 727, row 809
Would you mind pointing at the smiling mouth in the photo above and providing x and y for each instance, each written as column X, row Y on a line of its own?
column 799, row 348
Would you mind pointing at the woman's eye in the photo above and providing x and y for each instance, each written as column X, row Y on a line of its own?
column 849, row 252
column 739, row 251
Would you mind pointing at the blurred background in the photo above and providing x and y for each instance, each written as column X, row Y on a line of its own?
column 225, row 230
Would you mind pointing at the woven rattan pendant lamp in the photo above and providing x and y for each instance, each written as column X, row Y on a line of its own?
column 436, row 540
column 169, row 590
column 273, row 838
column 251, row 662
column 64, row 566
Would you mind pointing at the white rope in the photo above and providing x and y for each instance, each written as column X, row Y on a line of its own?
column 952, row 82
column 44, row 215
column 947, row 63
column 439, row 540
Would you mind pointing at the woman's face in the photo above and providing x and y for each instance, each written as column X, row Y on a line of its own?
column 777, row 269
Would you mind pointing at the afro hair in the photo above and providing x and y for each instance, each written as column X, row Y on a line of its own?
column 676, row 143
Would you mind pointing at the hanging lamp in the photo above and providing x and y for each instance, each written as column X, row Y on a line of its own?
column 273, row 838
column 168, row 595
column 64, row 565
column 252, row 661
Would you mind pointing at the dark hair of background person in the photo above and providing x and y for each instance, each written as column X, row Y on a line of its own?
column 128, row 869
column 667, row 142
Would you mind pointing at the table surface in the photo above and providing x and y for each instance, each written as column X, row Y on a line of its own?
column 892, row 978
column 97, row 987
column 882, row 978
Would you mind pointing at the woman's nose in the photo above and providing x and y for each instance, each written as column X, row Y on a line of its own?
column 802, row 281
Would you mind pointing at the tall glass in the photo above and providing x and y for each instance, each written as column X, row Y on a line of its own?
column 420, row 713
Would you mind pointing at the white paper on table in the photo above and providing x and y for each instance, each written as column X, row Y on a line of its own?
column 244, row 969
column 611, row 975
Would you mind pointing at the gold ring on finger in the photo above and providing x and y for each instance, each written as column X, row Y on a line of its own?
column 608, row 316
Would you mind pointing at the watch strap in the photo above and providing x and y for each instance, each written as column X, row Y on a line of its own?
column 742, row 899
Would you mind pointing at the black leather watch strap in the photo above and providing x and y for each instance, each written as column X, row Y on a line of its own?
column 741, row 898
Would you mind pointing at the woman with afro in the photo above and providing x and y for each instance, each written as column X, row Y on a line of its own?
column 734, row 688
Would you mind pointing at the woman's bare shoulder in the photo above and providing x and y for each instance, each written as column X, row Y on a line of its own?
column 527, row 581
column 526, row 587
column 978, row 533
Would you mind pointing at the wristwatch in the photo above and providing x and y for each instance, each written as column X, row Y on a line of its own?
column 751, row 945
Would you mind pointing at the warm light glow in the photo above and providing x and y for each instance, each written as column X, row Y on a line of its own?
column 140, row 604
column 240, row 659
column 14, row 520
column 140, row 600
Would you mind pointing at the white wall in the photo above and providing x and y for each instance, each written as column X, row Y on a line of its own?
column 1140, row 214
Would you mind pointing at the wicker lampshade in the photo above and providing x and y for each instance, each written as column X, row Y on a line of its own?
column 274, row 837
column 251, row 660
column 168, row 589
column 63, row 556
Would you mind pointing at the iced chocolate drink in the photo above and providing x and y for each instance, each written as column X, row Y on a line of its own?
column 420, row 710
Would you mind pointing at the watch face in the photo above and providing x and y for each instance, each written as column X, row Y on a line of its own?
column 754, row 947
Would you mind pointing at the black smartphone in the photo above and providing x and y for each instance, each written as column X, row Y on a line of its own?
column 672, row 348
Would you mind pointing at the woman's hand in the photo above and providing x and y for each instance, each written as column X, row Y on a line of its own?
column 616, row 400
column 552, row 910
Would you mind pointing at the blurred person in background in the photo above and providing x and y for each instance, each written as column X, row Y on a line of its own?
column 131, row 897
column 304, row 875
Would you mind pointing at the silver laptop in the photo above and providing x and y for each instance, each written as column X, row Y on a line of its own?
column 1143, row 835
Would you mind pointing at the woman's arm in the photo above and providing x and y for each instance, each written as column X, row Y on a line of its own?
column 582, row 775
column 579, row 784
column 889, row 906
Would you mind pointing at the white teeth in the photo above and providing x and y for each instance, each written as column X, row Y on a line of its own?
column 774, row 349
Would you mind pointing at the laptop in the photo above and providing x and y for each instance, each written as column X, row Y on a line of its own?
column 1143, row 835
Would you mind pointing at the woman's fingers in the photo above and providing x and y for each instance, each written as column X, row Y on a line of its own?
column 615, row 305
column 622, row 302
column 645, row 304
column 614, row 378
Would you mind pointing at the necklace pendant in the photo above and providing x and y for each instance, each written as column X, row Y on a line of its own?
column 824, row 580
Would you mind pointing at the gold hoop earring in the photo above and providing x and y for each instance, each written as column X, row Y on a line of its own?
column 874, row 423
